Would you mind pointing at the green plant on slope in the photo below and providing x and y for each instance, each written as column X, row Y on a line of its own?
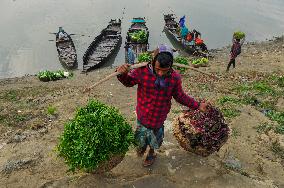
column 226, row 99
column 51, row 110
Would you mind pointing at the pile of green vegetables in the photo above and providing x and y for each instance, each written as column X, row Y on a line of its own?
column 53, row 75
column 138, row 36
column 200, row 62
column 181, row 60
column 239, row 35
column 97, row 133
column 145, row 57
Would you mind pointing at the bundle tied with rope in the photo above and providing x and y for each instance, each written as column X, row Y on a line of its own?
column 201, row 133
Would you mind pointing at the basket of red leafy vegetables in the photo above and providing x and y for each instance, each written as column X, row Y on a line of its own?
column 201, row 132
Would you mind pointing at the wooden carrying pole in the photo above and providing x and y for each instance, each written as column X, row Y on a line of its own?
column 113, row 75
column 189, row 67
column 135, row 66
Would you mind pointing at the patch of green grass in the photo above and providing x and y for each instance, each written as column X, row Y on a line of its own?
column 226, row 99
column 254, row 101
column 230, row 112
column 267, row 105
column 280, row 129
column 263, row 128
column 276, row 116
column 14, row 119
column 20, row 117
column 243, row 88
column 11, row 95
column 278, row 80
column 258, row 87
column 249, row 100
column 262, row 87
column 51, row 110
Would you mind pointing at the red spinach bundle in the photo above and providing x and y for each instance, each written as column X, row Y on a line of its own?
column 201, row 132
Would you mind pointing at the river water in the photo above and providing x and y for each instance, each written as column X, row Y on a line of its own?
column 26, row 45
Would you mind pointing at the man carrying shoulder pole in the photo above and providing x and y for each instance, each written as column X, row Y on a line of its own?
column 157, row 84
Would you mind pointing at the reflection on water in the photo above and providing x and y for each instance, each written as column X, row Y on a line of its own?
column 25, row 46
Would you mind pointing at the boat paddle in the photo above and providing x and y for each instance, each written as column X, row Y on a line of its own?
column 135, row 66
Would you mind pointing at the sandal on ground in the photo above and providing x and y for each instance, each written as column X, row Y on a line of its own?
column 150, row 159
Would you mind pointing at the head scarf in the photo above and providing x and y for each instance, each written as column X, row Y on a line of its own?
column 160, row 80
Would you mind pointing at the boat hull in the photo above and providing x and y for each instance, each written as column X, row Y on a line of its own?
column 66, row 52
column 103, row 47
column 171, row 28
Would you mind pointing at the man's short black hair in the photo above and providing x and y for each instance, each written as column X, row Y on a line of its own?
column 165, row 59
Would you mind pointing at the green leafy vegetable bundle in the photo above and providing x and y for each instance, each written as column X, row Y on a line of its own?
column 51, row 76
column 200, row 62
column 96, row 134
column 138, row 36
column 239, row 35
column 144, row 57
column 181, row 60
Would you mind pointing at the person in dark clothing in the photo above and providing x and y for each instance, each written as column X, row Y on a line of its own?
column 235, row 51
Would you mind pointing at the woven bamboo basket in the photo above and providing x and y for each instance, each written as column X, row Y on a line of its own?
column 109, row 165
column 191, row 138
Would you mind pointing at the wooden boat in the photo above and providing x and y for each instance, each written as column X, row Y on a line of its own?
column 193, row 47
column 138, row 24
column 103, row 46
column 66, row 49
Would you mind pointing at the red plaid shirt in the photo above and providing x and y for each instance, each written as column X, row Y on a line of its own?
column 153, row 103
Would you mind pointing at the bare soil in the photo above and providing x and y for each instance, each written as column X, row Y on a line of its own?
column 251, row 158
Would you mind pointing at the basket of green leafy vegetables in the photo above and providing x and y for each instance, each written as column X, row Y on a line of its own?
column 181, row 60
column 138, row 36
column 239, row 35
column 201, row 62
column 144, row 57
column 47, row 75
column 96, row 140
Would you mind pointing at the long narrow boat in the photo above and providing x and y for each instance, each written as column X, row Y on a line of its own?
column 103, row 46
column 66, row 49
column 137, row 37
column 193, row 47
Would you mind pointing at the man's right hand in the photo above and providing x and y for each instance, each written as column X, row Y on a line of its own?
column 123, row 69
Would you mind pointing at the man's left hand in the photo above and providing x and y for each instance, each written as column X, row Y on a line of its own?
column 203, row 106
